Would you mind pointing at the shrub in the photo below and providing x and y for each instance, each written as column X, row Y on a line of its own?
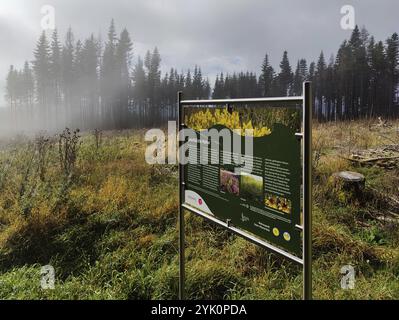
column 68, row 144
column 42, row 146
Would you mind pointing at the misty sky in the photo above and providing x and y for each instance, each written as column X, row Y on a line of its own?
column 218, row 35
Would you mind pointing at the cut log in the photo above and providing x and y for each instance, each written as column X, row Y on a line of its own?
column 354, row 158
column 385, row 157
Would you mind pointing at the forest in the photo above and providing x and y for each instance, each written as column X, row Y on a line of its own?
column 91, row 84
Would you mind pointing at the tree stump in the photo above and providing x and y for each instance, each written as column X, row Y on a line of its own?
column 352, row 183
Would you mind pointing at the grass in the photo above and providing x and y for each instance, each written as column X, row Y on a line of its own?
column 109, row 229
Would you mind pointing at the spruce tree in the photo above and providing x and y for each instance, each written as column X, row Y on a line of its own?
column 320, row 77
column 285, row 77
column 55, row 71
column 123, row 61
column 67, row 71
column 392, row 75
column 28, row 86
column 154, row 83
column 266, row 78
column 41, row 68
column 301, row 74
column 11, row 83
column 188, row 87
column 109, row 75
column 90, row 82
column 139, row 89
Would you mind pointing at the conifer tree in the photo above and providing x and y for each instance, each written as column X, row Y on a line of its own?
column 109, row 75
column 266, row 78
column 392, row 75
column 123, row 57
column 11, row 83
column 55, row 71
column 320, row 77
column 41, row 68
column 67, row 72
column 301, row 75
column 285, row 77
column 28, row 87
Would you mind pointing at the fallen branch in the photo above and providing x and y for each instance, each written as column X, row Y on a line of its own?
column 373, row 159
column 384, row 195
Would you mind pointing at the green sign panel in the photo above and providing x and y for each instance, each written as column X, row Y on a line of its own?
column 257, row 192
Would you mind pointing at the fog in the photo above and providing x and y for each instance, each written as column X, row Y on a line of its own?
column 225, row 35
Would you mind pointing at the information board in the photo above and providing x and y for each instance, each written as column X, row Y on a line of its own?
column 259, row 193
column 264, row 196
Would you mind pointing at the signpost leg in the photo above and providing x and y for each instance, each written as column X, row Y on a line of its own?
column 181, row 200
column 307, row 191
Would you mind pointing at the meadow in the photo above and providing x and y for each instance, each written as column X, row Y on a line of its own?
column 89, row 205
column 252, row 187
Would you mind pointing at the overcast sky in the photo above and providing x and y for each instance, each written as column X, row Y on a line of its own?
column 218, row 35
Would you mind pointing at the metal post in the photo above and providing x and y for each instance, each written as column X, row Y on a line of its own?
column 180, row 126
column 307, row 191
